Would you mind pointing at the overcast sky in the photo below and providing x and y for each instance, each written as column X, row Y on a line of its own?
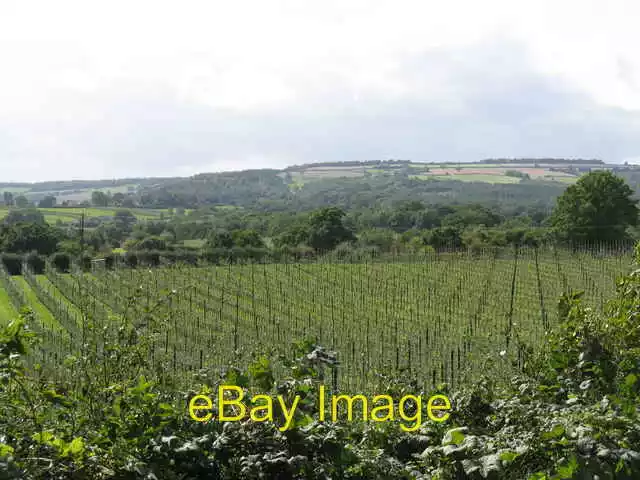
column 157, row 88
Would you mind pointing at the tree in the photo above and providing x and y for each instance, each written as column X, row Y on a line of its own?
column 151, row 243
column 8, row 198
column 24, row 215
column 124, row 219
column 598, row 208
column 327, row 229
column 444, row 237
column 294, row 236
column 247, row 238
column 377, row 237
column 128, row 202
column 118, row 199
column 21, row 201
column 99, row 199
column 47, row 202
column 27, row 237
column 219, row 239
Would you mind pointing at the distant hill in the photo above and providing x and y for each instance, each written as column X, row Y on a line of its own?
column 348, row 184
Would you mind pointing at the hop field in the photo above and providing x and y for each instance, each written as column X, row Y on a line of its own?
column 436, row 318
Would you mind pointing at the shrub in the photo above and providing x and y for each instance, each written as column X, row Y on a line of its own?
column 149, row 258
column 35, row 262
column 189, row 258
column 61, row 262
column 84, row 262
column 215, row 256
column 110, row 261
column 131, row 259
column 168, row 258
column 344, row 251
column 256, row 253
column 237, row 255
column 13, row 263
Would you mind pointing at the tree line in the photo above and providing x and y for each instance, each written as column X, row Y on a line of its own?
column 599, row 208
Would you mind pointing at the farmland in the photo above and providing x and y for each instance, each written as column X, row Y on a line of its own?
column 71, row 214
column 407, row 316
column 469, row 172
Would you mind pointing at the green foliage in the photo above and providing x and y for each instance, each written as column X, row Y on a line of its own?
column 327, row 229
column 219, row 239
column 12, row 263
column 35, row 263
column 21, row 201
column 47, row 202
column 247, row 238
column 99, row 199
column 149, row 243
column 24, row 215
column 599, row 207
column 27, row 237
column 61, row 262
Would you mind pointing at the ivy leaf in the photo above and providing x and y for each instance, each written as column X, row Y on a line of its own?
column 567, row 471
column 555, row 432
column 5, row 450
column 538, row 476
column 508, row 456
column 454, row 436
column 75, row 448
column 630, row 380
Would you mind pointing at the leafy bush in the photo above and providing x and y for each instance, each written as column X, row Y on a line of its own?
column 36, row 263
column 168, row 258
column 84, row 262
column 186, row 257
column 110, row 261
column 147, row 258
column 131, row 259
column 13, row 263
column 61, row 262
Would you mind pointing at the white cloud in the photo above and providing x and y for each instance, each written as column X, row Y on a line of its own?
column 164, row 87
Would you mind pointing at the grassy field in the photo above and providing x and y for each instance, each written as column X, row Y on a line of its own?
column 411, row 317
column 475, row 172
column 471, row 178
column 67, row 215
column 7, row 311
column 46, row 318
column 76, row 195
column 494, row 173
column 562, row 179
column 194, row 243
column 14, row 190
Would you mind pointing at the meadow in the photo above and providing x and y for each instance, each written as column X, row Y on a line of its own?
column 436, row 318
column 71, row 214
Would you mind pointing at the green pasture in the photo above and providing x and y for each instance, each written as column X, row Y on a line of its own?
column 69, row 214
column 470, row 178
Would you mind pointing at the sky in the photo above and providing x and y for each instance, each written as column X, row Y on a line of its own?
column 92, row 90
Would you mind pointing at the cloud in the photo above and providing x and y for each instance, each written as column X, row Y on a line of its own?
column 168, row 88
